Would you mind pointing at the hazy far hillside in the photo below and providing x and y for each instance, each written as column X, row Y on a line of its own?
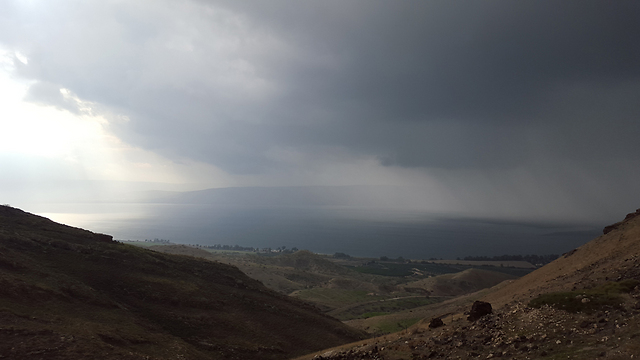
column 301, row 196
column 364, row 221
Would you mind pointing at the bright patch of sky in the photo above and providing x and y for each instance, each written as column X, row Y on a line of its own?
column 81, row 143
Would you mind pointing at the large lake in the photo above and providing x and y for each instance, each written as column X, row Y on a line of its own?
column 355, row 231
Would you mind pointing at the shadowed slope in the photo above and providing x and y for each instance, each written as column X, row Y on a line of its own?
column 67, row 293
column 586, row 306
column 288, row 273
column 611, row 257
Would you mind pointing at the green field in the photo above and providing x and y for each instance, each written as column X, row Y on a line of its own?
column 395, row 326
column 336, row 298
column 429, row 269
column 382, row 307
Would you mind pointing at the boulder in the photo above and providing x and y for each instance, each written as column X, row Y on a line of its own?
column 435, row 323
column 478, row 310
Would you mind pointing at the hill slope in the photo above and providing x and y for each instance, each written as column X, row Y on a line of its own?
column 291, row 273
column 464, row 282
column 613, row 256
column 586, row 305
column 67, row 293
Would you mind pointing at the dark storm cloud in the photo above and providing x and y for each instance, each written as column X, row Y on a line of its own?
column 452, row 84
column 414, row 84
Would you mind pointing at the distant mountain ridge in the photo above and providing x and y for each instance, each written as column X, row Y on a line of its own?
column 376, row 196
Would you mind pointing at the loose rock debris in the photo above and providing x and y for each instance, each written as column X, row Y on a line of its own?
column 515, row 331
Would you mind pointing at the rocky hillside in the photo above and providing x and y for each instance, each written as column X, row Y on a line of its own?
column 585, row 305
column 67, row 293
column 614, row 256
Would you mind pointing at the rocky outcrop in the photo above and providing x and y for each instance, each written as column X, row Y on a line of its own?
column 609, row 228
column 479, row 309
column 436, row 323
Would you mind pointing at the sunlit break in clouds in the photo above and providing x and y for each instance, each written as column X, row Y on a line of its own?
column 502, row 110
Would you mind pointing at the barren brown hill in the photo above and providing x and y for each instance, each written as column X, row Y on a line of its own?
column 613, row 256
column 67, row 293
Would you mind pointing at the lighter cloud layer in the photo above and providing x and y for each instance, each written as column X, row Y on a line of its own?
column 81, row 141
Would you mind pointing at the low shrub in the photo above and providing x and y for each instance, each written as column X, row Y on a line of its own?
column 372, row 314
column 588, row 300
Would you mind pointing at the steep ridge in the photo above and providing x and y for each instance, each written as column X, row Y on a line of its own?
column 613, row 256
column 67, row 293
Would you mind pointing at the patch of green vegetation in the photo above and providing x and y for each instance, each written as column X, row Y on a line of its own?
column 407, row 269
column 587, row 300
column 397, row 269
column 383, row 307
column 337, row 297
column 619, row 287
column 395, row 326
column 373, row 314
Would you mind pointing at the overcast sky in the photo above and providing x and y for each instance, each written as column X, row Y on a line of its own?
column 499, row 107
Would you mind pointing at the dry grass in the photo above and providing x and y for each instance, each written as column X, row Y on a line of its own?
column 610, row 257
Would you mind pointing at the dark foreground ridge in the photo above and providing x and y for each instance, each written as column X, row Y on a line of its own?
column 67, row 293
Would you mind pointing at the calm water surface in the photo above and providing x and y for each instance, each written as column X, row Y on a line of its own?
column 355, row 231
